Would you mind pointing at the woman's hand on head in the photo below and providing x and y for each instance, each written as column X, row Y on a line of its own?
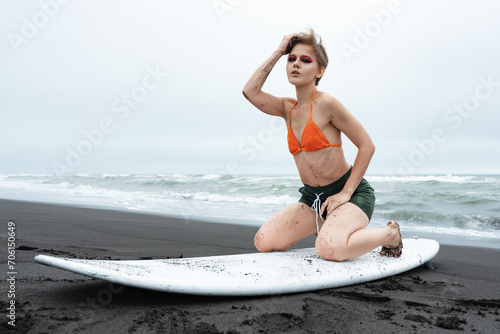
column 284, row 43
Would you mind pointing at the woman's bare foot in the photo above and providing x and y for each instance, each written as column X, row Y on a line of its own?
column 395, row 249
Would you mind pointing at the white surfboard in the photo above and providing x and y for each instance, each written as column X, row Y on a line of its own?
column 250, row 274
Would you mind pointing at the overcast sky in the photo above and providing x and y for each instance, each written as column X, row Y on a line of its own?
column 100, row 86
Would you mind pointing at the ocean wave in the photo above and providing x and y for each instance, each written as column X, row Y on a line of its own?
column 477, row 221
column 87, row 189
column 416, row 216
column 434, row 178
column 450, row 204
column 64, row 184
column 218, row 198
column 212, row 177
column 454, row 231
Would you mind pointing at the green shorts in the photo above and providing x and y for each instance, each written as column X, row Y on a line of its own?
column 363, row 196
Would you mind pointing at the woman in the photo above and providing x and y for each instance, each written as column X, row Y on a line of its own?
column 341, row 200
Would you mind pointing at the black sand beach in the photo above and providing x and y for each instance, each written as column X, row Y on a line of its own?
column 461, row 294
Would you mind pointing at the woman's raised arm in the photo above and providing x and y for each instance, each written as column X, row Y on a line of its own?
column 252, row 90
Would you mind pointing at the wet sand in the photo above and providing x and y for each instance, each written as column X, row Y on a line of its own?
column 461, row 294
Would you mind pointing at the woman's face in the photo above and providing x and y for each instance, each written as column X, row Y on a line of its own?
column 302, row 66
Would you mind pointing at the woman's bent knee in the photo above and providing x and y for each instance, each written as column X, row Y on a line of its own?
column 265, row 244
column 329, row 251
column 261, row 243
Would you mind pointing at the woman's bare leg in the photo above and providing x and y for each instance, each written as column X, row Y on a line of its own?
column 344, row 235
column 286, row 228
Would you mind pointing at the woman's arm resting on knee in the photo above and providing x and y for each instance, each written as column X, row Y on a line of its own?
column 352, row 128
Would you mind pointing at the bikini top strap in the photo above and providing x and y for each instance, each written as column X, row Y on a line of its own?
column 290, row 120
column 311, row 106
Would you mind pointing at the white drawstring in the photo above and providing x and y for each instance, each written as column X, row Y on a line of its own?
column 316, row 207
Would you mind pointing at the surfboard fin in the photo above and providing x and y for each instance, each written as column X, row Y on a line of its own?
column 429, row 265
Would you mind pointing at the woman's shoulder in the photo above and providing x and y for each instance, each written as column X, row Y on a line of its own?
column 327, row 100
column 288, row 103
column 330, row 104
column 326, row 97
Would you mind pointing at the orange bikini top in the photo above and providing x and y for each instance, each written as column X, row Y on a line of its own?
column 312, row 138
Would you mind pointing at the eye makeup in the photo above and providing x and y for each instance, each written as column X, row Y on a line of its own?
column 304, row 59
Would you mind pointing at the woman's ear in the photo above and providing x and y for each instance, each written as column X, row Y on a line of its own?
column 320, row 72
